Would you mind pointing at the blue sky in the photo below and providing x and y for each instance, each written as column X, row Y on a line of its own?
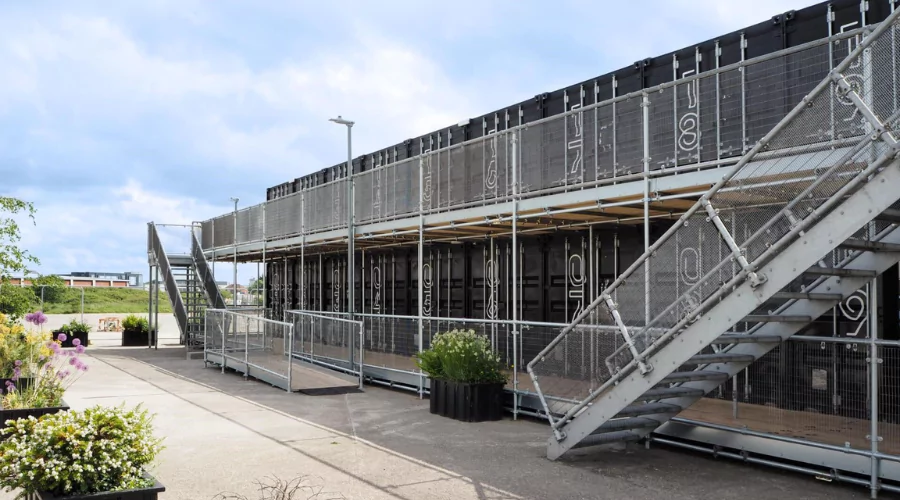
column 113, row 114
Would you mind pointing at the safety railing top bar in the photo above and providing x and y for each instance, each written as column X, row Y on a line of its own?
column 561, row 116
column 746, row 269
column 482, row 321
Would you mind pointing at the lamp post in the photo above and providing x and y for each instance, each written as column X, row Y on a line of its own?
column 234, row 264
column 350, row 236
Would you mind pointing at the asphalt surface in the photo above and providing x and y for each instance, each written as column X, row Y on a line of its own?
column 507, row 455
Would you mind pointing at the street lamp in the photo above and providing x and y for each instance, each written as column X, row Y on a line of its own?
column 234, row 238
column 350, row 243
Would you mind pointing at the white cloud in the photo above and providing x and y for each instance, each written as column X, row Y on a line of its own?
column 146, row 109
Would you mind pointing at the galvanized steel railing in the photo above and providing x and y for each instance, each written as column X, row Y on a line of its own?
column 699, row 121
column 757, row 209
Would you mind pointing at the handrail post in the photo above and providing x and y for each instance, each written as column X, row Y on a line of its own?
column 361, row 350
column 290, row 358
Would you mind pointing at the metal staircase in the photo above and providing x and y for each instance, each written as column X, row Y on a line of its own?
column 806, row 218
column 189, row 284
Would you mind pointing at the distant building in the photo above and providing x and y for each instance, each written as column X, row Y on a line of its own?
column 134, row 279
column 78, row 281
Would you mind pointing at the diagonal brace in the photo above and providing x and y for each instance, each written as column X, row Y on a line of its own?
column 880, row 131
column 623, row 330
column 755, row 278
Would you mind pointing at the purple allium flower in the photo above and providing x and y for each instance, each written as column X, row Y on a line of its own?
column 72, row 361
column 76, row 342
column 18, row 362
column 84, row 368
column 9, row 383
column 37, row 318
column 62, row 337
column 79, row 349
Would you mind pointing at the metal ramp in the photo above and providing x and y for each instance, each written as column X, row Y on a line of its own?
column 189, row 286
column 806, row 218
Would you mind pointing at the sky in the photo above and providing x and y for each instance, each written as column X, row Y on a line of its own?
column 115, row 114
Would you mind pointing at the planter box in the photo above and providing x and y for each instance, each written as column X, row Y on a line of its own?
column 131, row 338
column 151, row 493
column 22, row 383
column 467, row 402
column 70, row 336
column 17, row 413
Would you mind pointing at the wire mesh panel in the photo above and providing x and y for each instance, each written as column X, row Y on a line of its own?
column 390, row 342
column 250, row 343
column 224, row 231
column 789, row 181
column 326, row 206
column 284, row 216
column 328, row 340
column 206, row 234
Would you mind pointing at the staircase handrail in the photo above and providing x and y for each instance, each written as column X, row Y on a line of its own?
column 747, row 269
column 162, row 261
column 211, row 289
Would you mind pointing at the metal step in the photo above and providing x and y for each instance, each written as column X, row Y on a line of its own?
column 775, row 318
column 837, row 271
column 691, row 376
column 870, row 246
column 724, row 357
column 891, row 215
column 742, row 338
column 648, row 409
column 607, row 438
column 625, row 424
column 670, row 392
column 808, row 296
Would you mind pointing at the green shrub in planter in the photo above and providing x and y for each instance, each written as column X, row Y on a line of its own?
column 135, row 331
column 79, row 453
column 73, row 330
column 467, row 376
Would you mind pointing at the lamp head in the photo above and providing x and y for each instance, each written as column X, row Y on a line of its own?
column 341, row 121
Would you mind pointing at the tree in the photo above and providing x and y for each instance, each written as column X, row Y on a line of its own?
column 256, row 286
column 14, row 301
column 54, row 287
column 13, row 259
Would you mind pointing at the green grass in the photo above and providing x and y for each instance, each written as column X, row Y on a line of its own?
column 103, row 300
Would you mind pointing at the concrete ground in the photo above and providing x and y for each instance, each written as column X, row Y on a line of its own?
column 223, row 433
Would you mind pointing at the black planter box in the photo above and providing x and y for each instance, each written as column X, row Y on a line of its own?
column 136, row 338
column 467, row 402
column 82, row 336
column 151, row 493
column 22, row 383
column 17, row 413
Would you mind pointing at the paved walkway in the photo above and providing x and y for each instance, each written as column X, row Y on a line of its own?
column 223, row 433
column 217, row 442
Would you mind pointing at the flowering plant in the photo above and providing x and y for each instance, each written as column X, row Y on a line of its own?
column 21, row 350
column 462, row 356
column 54, row 374
column 100, row 449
